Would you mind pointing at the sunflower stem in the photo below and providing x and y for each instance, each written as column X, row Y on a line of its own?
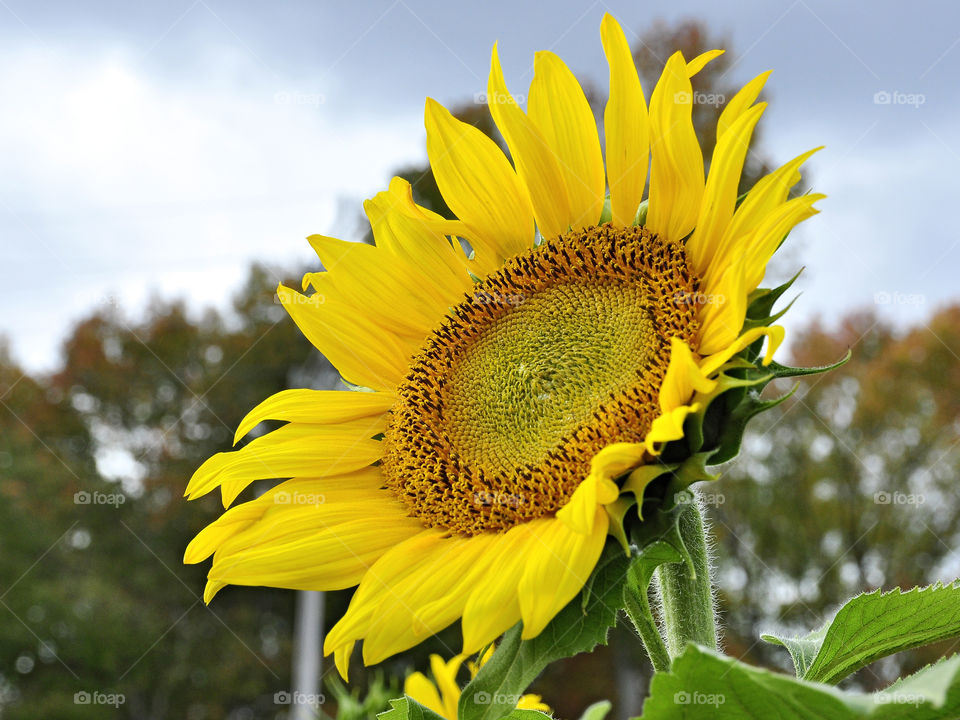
column 685, row 589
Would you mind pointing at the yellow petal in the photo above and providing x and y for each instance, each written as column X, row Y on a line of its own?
column 399, row 562
column 700, row 61
column 580, row 511
column 598, row 488
column 363, row 484
column 667, row 427
column 538, row 168
column 720, row 192
column 478, row 184
column 740, row 103
column 292, row 450
column 560, row 111
column 323, row 407
column 363, row 354
column 341, row 658
column 676, row 175
column 418, row 687
column 559, row 562
column 626, row 127
column 378, row 283
column 774, row 335
column 683, row 377
column 493, row 607
column 770, row 233
column 532, row 702
column 445, row 674
column 418, row 236
column 333, row 556
column 763, row 198
column 722, row 317
column 426, row 600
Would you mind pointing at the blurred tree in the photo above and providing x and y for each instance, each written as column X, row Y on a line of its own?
column 108, row 607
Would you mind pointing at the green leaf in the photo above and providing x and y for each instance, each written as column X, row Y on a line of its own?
column 406, row 708
column 579, row 627
column 873, row 626
column 704, row 684
column 597, row 711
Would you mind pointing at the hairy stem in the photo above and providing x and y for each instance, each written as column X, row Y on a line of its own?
column 686, row 594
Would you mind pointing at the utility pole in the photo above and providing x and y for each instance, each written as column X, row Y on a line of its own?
column 306, row 697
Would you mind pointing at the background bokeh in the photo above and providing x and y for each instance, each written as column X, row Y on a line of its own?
column 162, row 163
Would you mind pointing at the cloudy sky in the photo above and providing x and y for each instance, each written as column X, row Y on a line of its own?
column 158, row 147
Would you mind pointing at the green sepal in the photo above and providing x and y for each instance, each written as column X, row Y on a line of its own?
column 785, row 371
column 750, row 323
column 731, row 435
column 761, row 301
column 617, row 512
column 703, row 428
column 873, row 626
column 606, row 215
column 640, row 219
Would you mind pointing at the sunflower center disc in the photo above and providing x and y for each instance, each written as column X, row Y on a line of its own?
column 558, row 354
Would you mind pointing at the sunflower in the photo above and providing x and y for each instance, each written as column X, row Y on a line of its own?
column 442, row 694
column 507, row 368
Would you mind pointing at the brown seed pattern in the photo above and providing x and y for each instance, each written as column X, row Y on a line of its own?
column 558, row 354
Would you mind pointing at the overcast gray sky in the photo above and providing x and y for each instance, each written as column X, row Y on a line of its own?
column 159, row 147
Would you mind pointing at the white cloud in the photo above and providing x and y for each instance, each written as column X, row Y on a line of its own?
column 117, row 183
